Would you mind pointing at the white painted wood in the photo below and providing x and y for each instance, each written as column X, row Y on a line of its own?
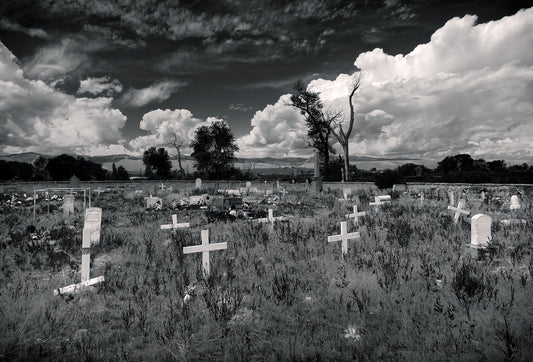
column 355, row 214
column 459, row 210
column 205, row 248
column 344, row 236
column 74, row 288
column 175, row 224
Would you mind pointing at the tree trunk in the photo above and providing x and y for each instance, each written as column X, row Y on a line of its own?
column 346, row 162
column 182, row 171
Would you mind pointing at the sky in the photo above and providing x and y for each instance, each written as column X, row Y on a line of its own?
column 98, row 77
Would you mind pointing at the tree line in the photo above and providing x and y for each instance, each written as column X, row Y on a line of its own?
column 60, row 168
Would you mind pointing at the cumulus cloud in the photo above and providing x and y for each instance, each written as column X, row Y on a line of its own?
column 157, row 92
column 468, row 90
column 278, row 130
column 164, row 124
column 35, row 117
column 101, row 85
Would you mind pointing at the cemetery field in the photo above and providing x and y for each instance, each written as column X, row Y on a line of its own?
column 409, row 287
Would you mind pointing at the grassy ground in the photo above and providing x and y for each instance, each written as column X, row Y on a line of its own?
column 407, row 289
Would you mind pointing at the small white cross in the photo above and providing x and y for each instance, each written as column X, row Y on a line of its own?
column 459, row 210
column 344, row 237
column 162, row 187
column 355, row 214
column 205, row 248
column 271, row 217
column 380, row 200
column 283, row 191
column 175, row 224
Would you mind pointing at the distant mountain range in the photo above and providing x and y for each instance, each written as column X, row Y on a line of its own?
column 134, row 164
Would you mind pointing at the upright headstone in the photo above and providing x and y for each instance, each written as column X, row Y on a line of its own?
column 198, row 183
column 452, row 197
column 515, row 203
column 346, row 193
column 68, row 205
column 277, row 185
column 248, row 186
column 93, row 222
column 480, row 226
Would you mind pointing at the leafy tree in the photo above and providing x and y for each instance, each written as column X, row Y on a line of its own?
column 39, row 169
column 157, row 163
column 318, row 122
column 61, row 168
column 114, row 175
column 462, row 162
column 214, row 150
column 14, row 170
column 122, row 174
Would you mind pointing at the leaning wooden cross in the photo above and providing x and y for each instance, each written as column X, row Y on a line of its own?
column 355, row 214
column 344, row 237
column 459, row 210
column 175, row 224
column 205, row 248
column 85, row 268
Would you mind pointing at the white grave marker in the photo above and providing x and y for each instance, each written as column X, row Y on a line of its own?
column 346, row 192
column 283, row 191
column 93, row 221
column 85, row 268
column 248, row 186
column 452, row 198
column 205, row 248
column 68, row 205
column 515, row 203
column 459, row 210
column 153, row 202
column 480, row 226
column 175, row 224
column 355, row 214
column 271, row 217
column 198, row 183
column 381, row 200
column 344, row 237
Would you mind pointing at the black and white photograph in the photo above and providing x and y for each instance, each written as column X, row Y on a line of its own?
column 254, row 180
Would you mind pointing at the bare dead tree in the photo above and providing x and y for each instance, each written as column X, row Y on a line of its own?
column 338, row 132
column 178, row 143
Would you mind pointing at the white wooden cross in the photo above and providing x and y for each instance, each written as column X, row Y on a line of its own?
column 283, row 191
column 355, row 214
column 85, row 267
column 205, row 248
column 162, row 187
column 459, row 210
column 421, row 198
column 271, row 217
column 380, row 200
column 344, row 237
column 175, row 224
